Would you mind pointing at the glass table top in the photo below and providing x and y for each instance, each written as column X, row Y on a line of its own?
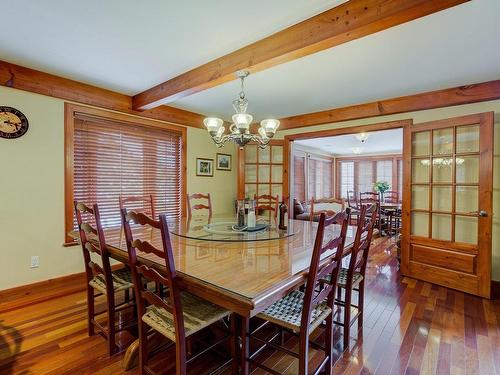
column 224, row 229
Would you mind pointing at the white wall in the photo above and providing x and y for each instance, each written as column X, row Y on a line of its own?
column 437, row 114
column 32, row 190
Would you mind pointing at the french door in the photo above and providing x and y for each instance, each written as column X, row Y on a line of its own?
column 447, row 202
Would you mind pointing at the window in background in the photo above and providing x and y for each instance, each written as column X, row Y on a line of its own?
column 346, row 178
column 359, row 174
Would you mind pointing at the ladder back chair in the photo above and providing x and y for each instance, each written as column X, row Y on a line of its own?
column 300, row 313
column 352, row 203
column 180, row 314
column 393, row 214
column 325, row 205
column 353, row 277
column 101, row 278
column 192, row 206
column 265, row 203
column 144, row 204
column 369, row 198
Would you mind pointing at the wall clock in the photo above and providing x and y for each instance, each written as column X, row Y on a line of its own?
column 13, row 123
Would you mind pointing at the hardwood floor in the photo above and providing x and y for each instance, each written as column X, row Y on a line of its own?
column 410, row 327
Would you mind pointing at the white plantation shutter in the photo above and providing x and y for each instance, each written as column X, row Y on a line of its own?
column 113, row 159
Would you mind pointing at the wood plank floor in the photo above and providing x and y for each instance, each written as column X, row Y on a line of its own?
column 410, row 327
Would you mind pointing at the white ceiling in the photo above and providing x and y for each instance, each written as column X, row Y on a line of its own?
column 380, row 142
column 129, row 46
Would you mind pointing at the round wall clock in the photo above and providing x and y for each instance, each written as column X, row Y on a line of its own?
column 13, row 123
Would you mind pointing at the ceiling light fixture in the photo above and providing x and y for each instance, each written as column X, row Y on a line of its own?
column 362, row 137
column 356, row 150
column 240, row 128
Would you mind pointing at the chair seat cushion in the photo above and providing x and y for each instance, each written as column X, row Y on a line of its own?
column 342, row 280
column 198, row 314
column 122, row 280
column 287, row 312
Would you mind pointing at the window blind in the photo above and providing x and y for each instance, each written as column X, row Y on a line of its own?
column 113, row 159
column 299, row 177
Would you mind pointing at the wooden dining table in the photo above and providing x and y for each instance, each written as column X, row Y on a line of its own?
column 244, row 273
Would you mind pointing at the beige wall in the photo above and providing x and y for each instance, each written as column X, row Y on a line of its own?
column 32, row 190
column 436, row 114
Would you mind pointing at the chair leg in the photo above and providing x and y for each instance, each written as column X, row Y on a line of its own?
column 111, row 324
column 329, row 344
column 143, row 347
column 361, row 302
column 180, row 358
column 347, row 317
column 234, row 344
column 303, row 352
column 245, row 345
column 90, row 310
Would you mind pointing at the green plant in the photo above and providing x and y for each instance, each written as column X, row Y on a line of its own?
column 381, row 186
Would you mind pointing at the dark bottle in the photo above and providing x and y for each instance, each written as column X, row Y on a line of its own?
column 241, row 213
column 283, row 211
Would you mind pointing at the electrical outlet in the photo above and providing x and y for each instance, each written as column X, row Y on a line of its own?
column 35, row 261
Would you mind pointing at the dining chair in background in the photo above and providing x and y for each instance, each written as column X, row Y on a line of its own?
column 353, row 277
column 330, row 206
column 195, row 206
column 267, row 203
column 101, row 278
column 369, row 198
column 353, row 204
column 301, row 312
column 180, row 314
column 139, row 203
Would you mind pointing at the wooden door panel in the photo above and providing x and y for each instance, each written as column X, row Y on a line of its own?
column 447, row 202
column 464, row 282
column 453, row 260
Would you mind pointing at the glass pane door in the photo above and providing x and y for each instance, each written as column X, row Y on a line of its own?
column 446, row 235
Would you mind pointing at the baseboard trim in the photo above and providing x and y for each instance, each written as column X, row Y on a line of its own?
column 41, row 291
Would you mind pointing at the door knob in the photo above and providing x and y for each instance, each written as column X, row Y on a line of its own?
column 481, row 213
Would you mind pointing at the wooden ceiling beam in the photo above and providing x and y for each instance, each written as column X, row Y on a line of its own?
column 479, row 92
column 346, row 22
column 31, row 80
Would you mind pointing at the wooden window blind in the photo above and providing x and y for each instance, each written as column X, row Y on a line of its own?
column 111, row 158
column 299, row 177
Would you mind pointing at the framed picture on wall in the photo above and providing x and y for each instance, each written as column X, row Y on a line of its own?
column 204, row 167
column 223, row 162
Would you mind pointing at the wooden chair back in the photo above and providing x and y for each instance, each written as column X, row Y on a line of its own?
column 89, row 226
column 362, row 241
column 139, row 203
column 352, row 199
column 391, row 196
column 367, row 198
column 267, row 202
column 318, row 271
column 141, row 271
column 332, row 200
column 199, row 206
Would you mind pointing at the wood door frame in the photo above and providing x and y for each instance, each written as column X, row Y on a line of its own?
column 288, row 139
column 485, row 174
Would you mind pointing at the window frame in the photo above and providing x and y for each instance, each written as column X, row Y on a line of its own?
column 373, row 159
column 70, row 110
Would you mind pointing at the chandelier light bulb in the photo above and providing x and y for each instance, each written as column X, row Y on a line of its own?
column 242, row 120
column 270, row 125
column 213, row 123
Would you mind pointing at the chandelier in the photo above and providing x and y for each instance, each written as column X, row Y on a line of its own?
column 239, row 130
